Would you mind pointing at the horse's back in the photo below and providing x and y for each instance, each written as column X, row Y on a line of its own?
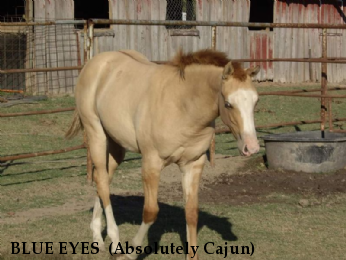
column 137, row 56
column 109, row 90
column 113, row 71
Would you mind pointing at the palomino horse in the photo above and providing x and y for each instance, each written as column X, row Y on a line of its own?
column 166, row 113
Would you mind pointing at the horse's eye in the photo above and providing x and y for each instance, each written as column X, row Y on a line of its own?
column 228, row 105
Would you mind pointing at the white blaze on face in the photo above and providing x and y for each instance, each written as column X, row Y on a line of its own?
column 245, row 101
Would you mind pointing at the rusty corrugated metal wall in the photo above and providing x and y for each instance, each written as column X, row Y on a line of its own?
column 261, row 47
column 296, row 43
column 334, row 12
column 305, row 43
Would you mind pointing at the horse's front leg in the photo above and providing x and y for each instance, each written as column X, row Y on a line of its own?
column 191, row 176
column 151, row 169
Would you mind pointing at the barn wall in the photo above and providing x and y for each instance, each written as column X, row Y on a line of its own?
column 156, row 42
column 56, row 46
column 232, row 40
column 334, row 12
column 305, row 43
column 296, row 43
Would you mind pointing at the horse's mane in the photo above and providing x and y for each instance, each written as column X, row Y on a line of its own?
column 206, row 57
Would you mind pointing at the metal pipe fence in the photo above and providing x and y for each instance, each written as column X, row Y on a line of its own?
column 46, row 69
column 220, row 23
column 45, row 60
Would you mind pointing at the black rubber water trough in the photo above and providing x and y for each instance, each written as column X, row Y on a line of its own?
column 306, row 151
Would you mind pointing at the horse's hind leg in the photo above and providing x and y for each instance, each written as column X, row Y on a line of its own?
column 191, row 176
column 98, row 150
column 116, row 155
column 96, row 224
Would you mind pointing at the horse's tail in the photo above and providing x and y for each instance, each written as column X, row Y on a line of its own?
column 75, row 127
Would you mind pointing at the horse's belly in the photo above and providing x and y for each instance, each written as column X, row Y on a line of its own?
column 123, row 135
column 120, row 128
column 126, row 141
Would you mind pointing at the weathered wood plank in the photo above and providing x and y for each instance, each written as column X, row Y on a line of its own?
column 245, row 31
column 342, row 44
column 315, row 42
column 52, row 54
column 154, row 33
column 305, row 50
column 163, row 33
column 224, row 45
column 121, row 30
column 277, row 34
column 68, row 56
column 270, row 75
column 300, row 69
column 295, row 44
column 40, row 47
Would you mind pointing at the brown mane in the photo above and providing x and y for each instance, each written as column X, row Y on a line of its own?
column 238, row 72
column 206, row 57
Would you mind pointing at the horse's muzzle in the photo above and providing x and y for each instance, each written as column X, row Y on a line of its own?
column 250, row 147
column 249, row 151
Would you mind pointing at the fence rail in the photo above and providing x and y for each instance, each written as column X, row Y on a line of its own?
column 221, row 24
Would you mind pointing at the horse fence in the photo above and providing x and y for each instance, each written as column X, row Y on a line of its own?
column 42, row 58
column 55, row 52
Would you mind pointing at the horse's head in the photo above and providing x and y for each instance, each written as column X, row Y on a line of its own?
column 237, row 101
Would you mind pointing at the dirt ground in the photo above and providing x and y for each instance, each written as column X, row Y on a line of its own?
column 233, row 181
column 238, row 181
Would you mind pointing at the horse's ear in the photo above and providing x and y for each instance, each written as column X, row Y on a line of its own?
column 252, row 72
column 228, row 70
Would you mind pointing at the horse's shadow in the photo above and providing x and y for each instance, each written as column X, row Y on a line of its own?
column 128, row 209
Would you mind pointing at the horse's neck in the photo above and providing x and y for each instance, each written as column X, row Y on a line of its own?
column 205, row 83
column 204, row 78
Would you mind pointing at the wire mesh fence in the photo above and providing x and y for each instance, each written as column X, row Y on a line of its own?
column 13, row 49
column 33, row 47
column 181, row 10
